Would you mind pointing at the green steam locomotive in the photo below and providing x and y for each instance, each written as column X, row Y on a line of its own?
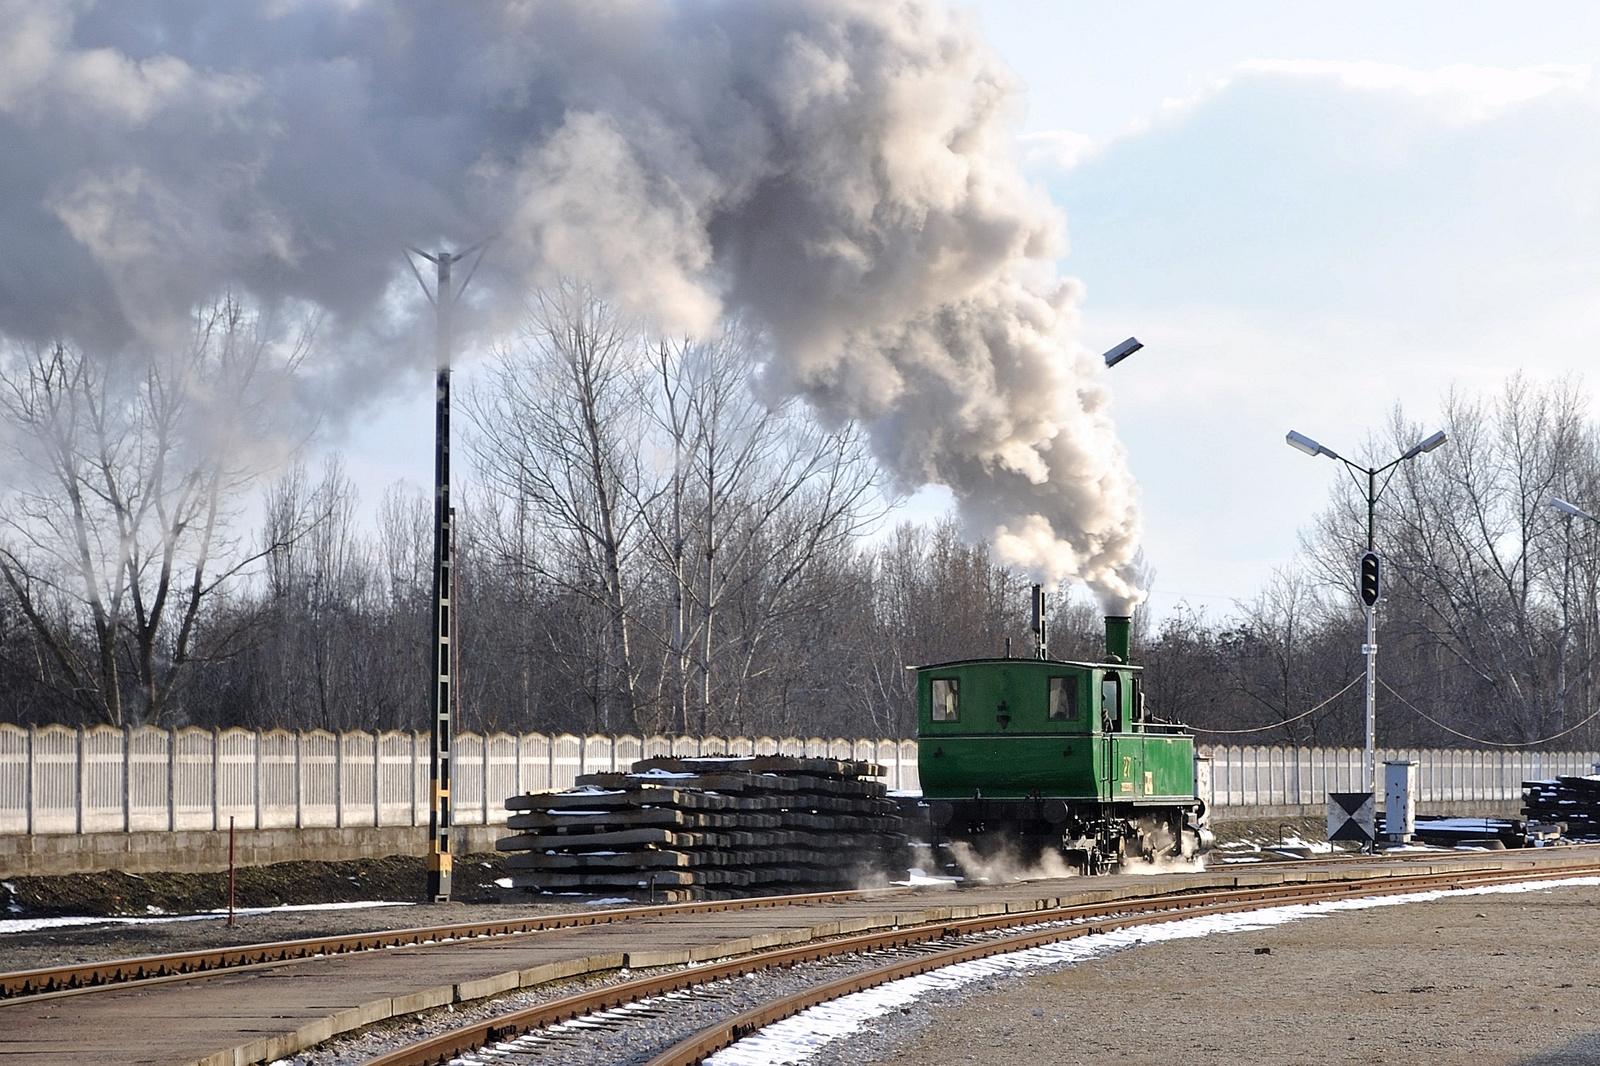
column 1038, row 754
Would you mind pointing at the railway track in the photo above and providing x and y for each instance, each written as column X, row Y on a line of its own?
column 81, row 978
column 918, row 949
column 270, row 1001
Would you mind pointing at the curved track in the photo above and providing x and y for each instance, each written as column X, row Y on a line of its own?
column 1060, row 923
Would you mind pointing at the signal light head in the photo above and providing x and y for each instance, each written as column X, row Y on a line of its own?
column 1371, row 578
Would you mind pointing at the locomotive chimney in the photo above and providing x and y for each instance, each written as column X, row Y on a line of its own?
column 1041, row 638
column 1118, row 627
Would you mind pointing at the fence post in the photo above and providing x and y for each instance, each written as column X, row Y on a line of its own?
column 338, row 780
column 172, row 779
column 256, row 788
column 29, row 777
column 216, row 779
column 520, row 736
column 127, row 779
column 81, row 780
column 378, row 770
column 415, row 769
column 299, row 773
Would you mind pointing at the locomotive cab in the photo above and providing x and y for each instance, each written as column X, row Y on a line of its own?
column 1045, row 754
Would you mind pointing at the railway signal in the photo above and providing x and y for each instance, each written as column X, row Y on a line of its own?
column 1366, row 477
column 1371, row 574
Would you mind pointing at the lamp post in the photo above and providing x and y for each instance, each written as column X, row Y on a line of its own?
column 444, row 296
column 1371, row 569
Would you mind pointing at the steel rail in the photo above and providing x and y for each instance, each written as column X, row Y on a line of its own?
column 1085, row 919
column 90, row 977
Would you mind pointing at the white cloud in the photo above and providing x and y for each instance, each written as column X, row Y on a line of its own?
column 1457, row 94
column 1460, row 92
column 1305, row 244
column 1059, row 150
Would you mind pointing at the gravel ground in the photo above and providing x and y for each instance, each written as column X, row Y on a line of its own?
column 1491, row 980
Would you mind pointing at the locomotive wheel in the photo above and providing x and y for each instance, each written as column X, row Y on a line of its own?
column 1190, row 845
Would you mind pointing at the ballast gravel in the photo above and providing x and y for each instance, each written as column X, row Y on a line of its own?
column 627, row 1037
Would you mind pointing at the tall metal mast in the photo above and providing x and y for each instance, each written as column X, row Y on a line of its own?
column 444, row 298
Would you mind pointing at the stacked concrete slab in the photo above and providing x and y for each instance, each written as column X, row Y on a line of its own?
column 1574, row 801
column 708, row 828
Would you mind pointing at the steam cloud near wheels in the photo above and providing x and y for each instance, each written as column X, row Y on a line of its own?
column 841, row 171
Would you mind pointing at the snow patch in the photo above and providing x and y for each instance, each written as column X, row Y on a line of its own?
column 921, row 877
column 28, row 925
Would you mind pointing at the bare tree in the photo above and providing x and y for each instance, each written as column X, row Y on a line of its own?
column 117, row 534
column 1275, row 657
column 324, row 592
column 557, row 431
column 755, row 496
column 1488, row 605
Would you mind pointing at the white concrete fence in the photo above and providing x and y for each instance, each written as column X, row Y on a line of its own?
column 54, row 779
column 1277, row 777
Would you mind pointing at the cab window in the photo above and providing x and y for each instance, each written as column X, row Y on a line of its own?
column 1063, row 699
column 1110, row 701
column 946, row 700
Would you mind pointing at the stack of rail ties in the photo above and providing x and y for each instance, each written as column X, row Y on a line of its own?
column 1572, row 800
column 679, row 829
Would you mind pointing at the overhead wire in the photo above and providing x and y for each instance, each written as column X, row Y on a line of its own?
column 1481, row 740
column 1286, row 721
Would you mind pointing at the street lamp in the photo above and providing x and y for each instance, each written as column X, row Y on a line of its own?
column 1568, row 509
column 1122, row 351
column 1370, row 587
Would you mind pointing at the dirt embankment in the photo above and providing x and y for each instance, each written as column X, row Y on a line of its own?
column 118, row 894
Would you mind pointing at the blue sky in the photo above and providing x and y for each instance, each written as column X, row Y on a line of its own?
column 1309, row 213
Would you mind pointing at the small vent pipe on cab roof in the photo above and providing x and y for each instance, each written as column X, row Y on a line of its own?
column 1041, row 639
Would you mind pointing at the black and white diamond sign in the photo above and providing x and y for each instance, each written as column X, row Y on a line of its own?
column 1351, row 817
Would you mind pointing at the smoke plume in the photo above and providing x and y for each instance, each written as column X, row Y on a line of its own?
column 842, row 171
